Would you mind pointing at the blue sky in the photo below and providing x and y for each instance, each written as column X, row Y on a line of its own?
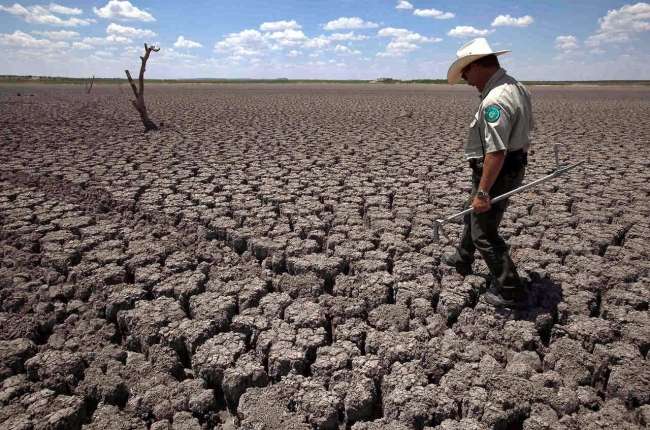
column 338, row 39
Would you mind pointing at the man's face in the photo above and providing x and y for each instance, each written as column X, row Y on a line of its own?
column 477, row 75
column 469, row 74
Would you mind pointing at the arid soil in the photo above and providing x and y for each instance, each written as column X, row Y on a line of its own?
column 266, row 261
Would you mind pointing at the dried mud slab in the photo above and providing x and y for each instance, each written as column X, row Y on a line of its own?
column 265, row 261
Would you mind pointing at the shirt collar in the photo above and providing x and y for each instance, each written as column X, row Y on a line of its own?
column 492, row 82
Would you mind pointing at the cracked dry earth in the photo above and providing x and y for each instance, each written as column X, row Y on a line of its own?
column 265, row 262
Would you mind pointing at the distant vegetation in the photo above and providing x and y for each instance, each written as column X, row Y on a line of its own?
column 79, row 81
column 62, row 80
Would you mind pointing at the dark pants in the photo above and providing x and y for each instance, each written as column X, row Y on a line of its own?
column 481, row 231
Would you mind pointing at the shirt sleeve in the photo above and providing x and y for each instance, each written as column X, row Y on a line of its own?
column 496, row 126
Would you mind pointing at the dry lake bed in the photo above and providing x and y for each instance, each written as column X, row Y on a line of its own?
column 265, row 261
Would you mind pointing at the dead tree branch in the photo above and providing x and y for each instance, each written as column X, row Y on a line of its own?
column 138, row 103
column 90, row 87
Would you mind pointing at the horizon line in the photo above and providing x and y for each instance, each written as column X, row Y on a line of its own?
column 34, row 78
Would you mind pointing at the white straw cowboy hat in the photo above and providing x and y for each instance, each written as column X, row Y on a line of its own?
column 468, row 53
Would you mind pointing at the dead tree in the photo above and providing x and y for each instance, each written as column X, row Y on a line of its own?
column 138, row 103
column 89, row 87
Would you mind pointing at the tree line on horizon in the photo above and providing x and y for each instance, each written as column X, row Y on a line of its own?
column 387, row 81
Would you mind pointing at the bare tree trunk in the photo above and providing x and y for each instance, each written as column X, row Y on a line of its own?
column 90, row 87
column 138, row 103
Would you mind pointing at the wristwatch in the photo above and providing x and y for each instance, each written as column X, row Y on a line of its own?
column 483, row 195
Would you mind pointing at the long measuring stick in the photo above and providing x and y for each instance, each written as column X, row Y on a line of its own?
column 439, row 222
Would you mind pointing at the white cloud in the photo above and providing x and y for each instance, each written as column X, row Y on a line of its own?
column 62, row 10
column 342, row 49
column 322, row 41
column 280, row 25
column 129, row 32
column 18, row 39
column 104, row 54
column 42, row 15
column 346, row 36
column 403, row 41
column 252, row 43
column 170, row 55
column 433, row 13
column 349, row 23
column 123, row 10
column 619, row 25
column 275, row 36
column 182, row 42
column 318, row 42
column 398, row 48
column 287, row 37
column 246, row 43
column 467, row 31
column 294, row 53
column 406, row 35
column 509, row 21
column 111, row 39
column 116, row 35
column 404, row 5
column 81, row 45
column 566, row 43
column 58, row 35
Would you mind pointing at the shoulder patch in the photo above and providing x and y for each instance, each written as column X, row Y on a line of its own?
column 492, row 113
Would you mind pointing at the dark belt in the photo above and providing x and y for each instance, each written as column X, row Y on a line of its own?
column 513, row 160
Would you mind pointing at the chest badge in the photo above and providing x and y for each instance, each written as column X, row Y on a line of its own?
column 492, row 113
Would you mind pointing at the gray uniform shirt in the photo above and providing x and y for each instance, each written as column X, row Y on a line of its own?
column 504, row 118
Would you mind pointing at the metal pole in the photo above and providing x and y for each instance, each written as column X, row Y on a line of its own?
column 439, row 222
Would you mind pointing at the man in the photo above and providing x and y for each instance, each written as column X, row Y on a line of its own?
column 496, row 149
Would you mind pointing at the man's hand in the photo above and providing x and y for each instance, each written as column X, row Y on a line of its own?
column 481, row 204
column 492, row 164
